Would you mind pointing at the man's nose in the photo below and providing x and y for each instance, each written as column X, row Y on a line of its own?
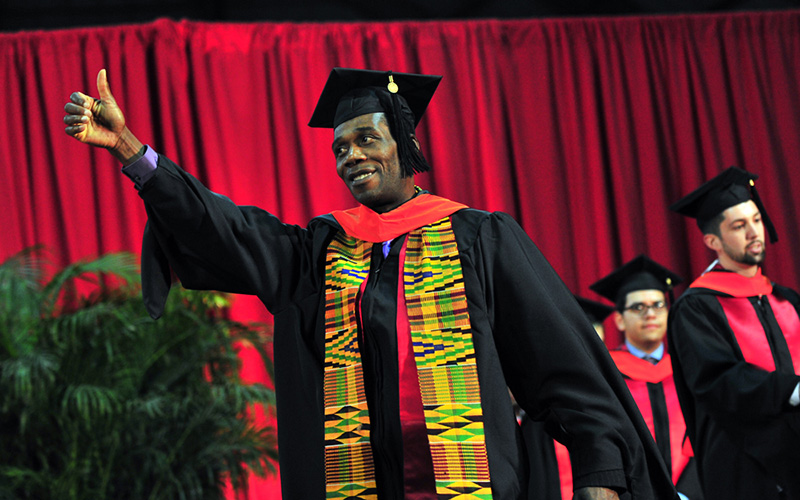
column 354, row 155
column 752, row 230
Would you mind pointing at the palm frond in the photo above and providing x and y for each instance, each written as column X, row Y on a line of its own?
column 90, row 402
column 120, row 265
column 22, row 379
column 100, row 401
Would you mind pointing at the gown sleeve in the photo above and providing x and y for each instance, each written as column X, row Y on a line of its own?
column 211, row 243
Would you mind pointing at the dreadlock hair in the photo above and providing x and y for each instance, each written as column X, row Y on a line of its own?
column 401, row 125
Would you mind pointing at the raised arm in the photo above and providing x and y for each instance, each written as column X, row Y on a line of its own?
column 101, row 123
column 204, row 237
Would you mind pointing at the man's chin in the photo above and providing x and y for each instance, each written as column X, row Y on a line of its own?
column 753, row 259
column 369, row 199
column 363, row 197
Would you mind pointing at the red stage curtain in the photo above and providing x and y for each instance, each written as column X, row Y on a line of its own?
column 584, row 130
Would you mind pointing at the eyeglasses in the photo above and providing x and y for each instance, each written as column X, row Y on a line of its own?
column 641, row 308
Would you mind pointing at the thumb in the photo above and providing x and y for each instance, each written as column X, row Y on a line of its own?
column 103, row 88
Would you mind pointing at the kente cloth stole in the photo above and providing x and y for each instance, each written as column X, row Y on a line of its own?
column 445, row 358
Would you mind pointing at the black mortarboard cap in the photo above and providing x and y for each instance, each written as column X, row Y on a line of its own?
column 597, row 312
column 641, row 273
column 349, row 93
column 729, row 188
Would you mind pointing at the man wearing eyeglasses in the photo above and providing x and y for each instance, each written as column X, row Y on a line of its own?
column 735, row 339
column 639, row 292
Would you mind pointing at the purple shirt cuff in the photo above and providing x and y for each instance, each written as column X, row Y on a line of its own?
column 142, row 169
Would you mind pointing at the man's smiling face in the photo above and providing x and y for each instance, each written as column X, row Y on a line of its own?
column 368, row 163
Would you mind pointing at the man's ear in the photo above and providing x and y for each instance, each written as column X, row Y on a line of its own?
column 713, row 242
column 619, row 321
column 415, row 141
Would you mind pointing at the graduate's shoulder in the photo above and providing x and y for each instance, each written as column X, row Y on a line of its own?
column 324, row 221
column 472, row 223
column 477, row 217
column 696, row 297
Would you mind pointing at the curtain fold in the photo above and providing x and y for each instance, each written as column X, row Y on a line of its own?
column 584, row 130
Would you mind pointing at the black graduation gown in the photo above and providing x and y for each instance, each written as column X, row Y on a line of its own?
column 528, row 332
column 744, row 433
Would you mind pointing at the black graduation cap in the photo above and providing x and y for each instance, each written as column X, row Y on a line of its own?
column 641, row 273
column 729, row 188
column 597, row 312
column 354, row 92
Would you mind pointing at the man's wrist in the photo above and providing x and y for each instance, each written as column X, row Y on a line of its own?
column 143, row 169
column 128, row 148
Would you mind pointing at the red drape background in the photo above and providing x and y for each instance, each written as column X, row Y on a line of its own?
column 584, row 130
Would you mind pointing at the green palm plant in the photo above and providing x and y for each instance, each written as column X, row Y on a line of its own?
column 99, row 401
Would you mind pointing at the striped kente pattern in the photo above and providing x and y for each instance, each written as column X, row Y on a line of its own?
column 445, row 358
column 349, row 469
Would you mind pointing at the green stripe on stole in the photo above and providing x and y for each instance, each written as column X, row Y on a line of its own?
column 445, row 359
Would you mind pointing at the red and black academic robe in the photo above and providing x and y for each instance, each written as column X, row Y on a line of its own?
column 653, row 389
column 528, row 332
column 735, row 345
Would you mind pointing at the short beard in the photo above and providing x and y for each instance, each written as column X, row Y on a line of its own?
column 745, row 257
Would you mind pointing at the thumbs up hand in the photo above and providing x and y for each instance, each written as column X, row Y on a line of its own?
column 100, row 122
